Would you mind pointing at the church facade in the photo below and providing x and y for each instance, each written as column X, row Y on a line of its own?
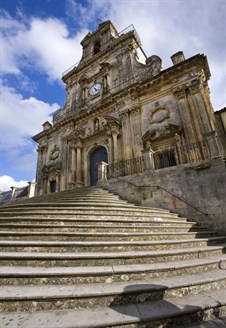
column 123, row 107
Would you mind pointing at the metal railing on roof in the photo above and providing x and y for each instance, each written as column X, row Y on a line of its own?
column 130, row 28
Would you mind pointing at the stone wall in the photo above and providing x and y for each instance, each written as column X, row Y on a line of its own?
column 196, row 191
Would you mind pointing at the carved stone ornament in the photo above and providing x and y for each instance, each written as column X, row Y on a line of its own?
column 105, row 67
column 152, row 135
column 112, row 123
column 154, row 64
column 179, row 92
column 83, row 79
column 53, row 168
column 76, row 134
column 54, row 153
column 159, row 115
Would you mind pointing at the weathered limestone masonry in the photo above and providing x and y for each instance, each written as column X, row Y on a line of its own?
column 121, row 105
column 196, row 190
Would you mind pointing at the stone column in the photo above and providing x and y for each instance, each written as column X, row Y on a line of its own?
column 57, row 183
column 73, row 157
column 44, row 185
column 115, row 146
column 180, row 95
column 31, row 189
column 213, row 144
column 79, row 166
column 13, row 192
column 48, row 186
column 136, row 135
column 149, row 162
column 64, row 165
column 102, row 171
column 85, row 167
column 110, row 150
column 126, row 136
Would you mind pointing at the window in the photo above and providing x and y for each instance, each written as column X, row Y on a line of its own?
column 167, row 159
column 96, row 48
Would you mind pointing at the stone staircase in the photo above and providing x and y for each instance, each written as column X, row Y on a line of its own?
column 85, row 258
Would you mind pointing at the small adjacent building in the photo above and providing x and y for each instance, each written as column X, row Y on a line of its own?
column 127, row 113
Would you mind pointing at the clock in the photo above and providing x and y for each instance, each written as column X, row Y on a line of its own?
column 95, row 89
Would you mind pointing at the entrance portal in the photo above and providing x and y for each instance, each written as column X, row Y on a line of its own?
column 98, row 155
column 53, row 186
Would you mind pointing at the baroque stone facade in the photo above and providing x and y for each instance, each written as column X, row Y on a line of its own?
column 121, row 104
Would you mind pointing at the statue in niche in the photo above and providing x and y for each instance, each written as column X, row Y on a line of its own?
column 96, row 125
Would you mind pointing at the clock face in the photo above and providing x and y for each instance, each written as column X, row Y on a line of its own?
column 95, row 89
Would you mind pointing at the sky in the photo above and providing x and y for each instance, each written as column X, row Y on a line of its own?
column 40, row 39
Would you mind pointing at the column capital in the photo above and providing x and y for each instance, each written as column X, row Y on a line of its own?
column 179, row 92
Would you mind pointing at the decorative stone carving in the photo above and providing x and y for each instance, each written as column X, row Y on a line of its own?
column 54, row 153
column 154, row 64
column 53, row 168
column 79, row 132
column 179, row 92
column 169, row 130
column 159, row 115
column 105, row 68
column 112, row 123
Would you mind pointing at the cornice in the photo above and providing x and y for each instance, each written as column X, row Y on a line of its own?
column 136, row 89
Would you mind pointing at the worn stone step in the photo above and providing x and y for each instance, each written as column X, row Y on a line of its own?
column 91, row 228
column 85, row 202
column 103, row 256
column 173, row 312
column 106, row 246
column 87, row 210
column 203, row 261
column 69, row 205
column 92, row 235
column 100, row 218
column 52, row 297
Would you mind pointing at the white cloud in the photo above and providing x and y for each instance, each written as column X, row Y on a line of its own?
column 21, row 118
column 43, row 45
column 6, row 182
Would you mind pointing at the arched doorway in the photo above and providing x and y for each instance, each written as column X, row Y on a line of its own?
column 98, row 155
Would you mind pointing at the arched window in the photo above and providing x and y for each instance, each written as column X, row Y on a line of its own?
column 96, row 47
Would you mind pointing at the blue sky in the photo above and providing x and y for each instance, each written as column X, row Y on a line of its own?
column 40, row 39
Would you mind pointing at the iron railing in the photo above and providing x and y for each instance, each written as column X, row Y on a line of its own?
column 166, row 157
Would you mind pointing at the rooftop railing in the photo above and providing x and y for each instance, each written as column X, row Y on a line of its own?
column 130, row 28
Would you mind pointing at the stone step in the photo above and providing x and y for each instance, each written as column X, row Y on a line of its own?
column 169, row 312
column 104, row 255
column 87, row 248
column 85, row 202
column 86, row 210
column 100, row 219
column 52, row 297
column 106, row 246
column 204, row 261
column 95, row 228
column 91, row 235
column 71, row 204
